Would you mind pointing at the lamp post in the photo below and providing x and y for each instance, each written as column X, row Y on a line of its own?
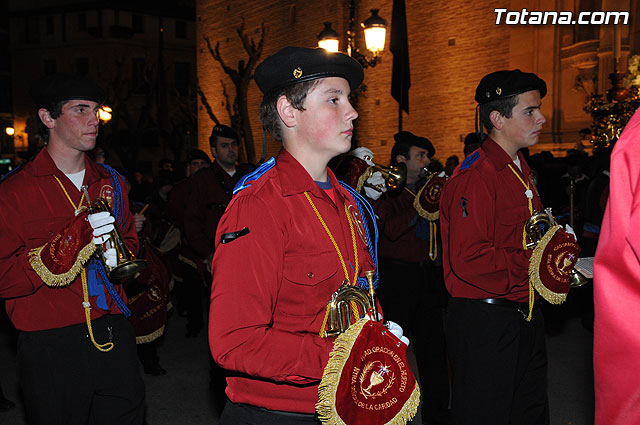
column 375, row 30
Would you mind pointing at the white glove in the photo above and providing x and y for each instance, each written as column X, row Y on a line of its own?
column 139, row 219
column 377, row 180
column 364, row 154
column 396, row 329
column 570, row 231
column 102, row 224
column 110, row 257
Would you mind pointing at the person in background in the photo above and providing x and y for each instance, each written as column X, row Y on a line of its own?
column 210, row 193
column 451, row 164
column 412, row 290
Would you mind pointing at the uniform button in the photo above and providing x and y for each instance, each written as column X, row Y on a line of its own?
column 310, row 275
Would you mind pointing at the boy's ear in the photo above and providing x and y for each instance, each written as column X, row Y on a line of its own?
column 45, row 117
column 286, row 111
column 496, row 119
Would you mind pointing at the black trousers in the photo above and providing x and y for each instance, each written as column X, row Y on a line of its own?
column 245, row 414
column 499, row 363
column 414, row 296
column 65, row 380
column 192, row 291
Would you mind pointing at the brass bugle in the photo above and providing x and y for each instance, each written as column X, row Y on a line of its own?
column 424, row 172
column 536, row 227
column 126, row 263
column 394, row 175
column 344, row 302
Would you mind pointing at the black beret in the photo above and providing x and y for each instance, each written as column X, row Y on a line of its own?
column 293, row 65
column 411, row 139
column 502, row 84
column 198, row 154
column 221, row 130
column 60, row 87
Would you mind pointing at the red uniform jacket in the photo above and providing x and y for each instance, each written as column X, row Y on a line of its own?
column 271, row 286
column 483, row 210
column 33, row 208
column 210, row 193
column 397, row 224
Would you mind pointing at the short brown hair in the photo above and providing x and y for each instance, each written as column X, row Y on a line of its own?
column 503, row 106
column 296, row 94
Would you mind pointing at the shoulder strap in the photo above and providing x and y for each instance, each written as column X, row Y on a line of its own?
column 253, row 176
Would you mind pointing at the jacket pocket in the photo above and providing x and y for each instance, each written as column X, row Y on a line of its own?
column 308, row 282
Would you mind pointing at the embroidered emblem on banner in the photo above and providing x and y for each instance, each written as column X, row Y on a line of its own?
column 106, row 192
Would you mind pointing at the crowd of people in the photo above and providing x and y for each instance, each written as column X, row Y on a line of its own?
column 457, row 275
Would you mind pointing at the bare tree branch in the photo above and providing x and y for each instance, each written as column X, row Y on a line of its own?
column 205, row 102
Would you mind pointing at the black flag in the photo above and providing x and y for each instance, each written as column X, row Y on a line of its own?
column 399, row 45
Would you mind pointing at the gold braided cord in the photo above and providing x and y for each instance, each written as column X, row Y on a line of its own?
column 524, row 240
column 355, row 248
column 342, row 262
column 87, row 314
column 333, row 241
column 85, row 292
column 75, row 208
column 433, row 240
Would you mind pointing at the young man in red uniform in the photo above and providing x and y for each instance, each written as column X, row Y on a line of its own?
column 275, row 266
column 76, row 350
column 412, row 290
column 498, row 357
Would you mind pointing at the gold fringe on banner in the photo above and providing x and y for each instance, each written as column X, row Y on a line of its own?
column 534, row 269
column 326, row 406
column 63, row 279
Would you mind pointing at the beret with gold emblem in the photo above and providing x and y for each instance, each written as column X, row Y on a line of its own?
column 293, row 65
column 502, row 84
column 221, row 130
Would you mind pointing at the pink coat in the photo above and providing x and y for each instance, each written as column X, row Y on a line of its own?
column 617, row 289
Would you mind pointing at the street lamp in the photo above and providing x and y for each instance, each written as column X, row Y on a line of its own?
column 375, row 31
column 10, row 131
column 104, row 113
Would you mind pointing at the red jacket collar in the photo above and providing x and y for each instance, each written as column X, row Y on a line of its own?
column 294, row 179
column 501, row 159
column 43, row 165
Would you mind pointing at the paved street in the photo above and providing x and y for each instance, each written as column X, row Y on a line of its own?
column 183, row 397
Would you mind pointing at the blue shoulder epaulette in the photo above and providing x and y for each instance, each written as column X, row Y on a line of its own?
column 9, row 173
column 469, row 160
column 246, row 181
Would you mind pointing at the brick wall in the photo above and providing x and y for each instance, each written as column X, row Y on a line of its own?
column 452, row 45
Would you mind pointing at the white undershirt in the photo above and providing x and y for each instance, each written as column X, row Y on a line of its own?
column 76, row 178
column 517, row 162
column 232, row 173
